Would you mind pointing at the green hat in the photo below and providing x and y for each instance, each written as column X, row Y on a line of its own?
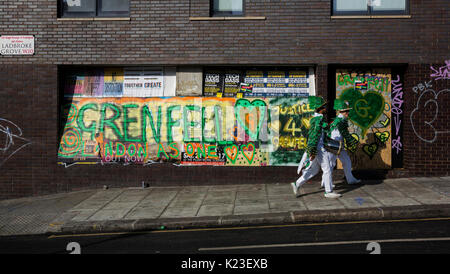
column 341, row 105
column 316, row 102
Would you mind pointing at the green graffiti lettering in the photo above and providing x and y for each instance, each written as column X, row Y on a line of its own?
column 204, row 138
column 80, row 120
column 110, row 122
column 189, row 124
column 141, row 151
column 127, row 121
column 348, row 80
column 134, row 150
column 217, row 116
column 108, row 150
column 173, row 146
column 190, row 149
column 122, row 149
column 171, row 123
column 201, row 151
column 340, row 79
column 161, row 149
column 156, row 131
column 212, row 151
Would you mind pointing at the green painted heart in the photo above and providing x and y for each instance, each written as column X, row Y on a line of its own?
column 248, row 114
column 231, row 153
column 371, row 149
column 366, row 108
column 383, row 136
column 249, row 152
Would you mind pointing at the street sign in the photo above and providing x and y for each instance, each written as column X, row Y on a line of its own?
column 17, row 45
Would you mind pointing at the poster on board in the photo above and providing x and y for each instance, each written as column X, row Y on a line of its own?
column 285, row 82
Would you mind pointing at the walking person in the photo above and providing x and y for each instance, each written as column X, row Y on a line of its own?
column 317, row 157
column 339, row 132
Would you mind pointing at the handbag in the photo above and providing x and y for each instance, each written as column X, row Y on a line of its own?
column 332, row 146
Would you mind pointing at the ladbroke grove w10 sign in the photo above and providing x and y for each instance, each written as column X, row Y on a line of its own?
column 17, row 45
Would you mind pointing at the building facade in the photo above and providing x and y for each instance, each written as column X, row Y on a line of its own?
column 186, row 92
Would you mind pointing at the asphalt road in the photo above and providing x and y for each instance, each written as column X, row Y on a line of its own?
column 426, row 236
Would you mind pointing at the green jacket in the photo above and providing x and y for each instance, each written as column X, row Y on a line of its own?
column 341, row 124
column 317, row 126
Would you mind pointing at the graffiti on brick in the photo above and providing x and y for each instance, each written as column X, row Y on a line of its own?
column 397, row 111
column 442, row 72
column 431, row 111
column 422, row 86
column 427, row 116
column 11, row 140
column 185, row 131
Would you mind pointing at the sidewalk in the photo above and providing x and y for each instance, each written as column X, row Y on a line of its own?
column 136, row 209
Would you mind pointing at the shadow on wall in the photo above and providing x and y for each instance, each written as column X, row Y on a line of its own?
column 371, row 153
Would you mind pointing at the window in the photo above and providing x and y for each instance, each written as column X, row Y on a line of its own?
column 227, row 7
column 94, row 8
column 370, row 7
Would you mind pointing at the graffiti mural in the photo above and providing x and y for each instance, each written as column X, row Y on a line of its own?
column 369, row 95
column 185, row 131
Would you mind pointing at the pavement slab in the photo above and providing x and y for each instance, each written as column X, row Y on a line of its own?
column 178, row 212
column 109, row 214
column 286, row 206
column 145, row 212
column 251, row 209
column 36, row 215
column 215, row 210
column 359, row 202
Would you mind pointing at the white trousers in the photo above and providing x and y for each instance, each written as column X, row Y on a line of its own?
column 322, row 161
column 346, row 165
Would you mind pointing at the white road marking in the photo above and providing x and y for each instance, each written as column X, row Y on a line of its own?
column 324, row 243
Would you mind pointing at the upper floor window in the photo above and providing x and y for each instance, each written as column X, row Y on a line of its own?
column 227, row 7
column 370, row 7
column 94, row 8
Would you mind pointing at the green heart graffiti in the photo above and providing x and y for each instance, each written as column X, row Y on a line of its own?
column 367, row 107
column 370, row 149
column 244, row 103
column 383, row 136
column 231, row 152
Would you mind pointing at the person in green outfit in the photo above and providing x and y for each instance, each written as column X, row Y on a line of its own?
column 339, row 132
column 317, row 157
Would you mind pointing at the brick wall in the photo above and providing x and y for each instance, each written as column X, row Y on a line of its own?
column 160, row 33
column 426, row 135
column 294, row 32
column 28, row 109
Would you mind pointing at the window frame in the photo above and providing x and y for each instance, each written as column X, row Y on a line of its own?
column 369, row 11
column 225, row 13
column 95, row 14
